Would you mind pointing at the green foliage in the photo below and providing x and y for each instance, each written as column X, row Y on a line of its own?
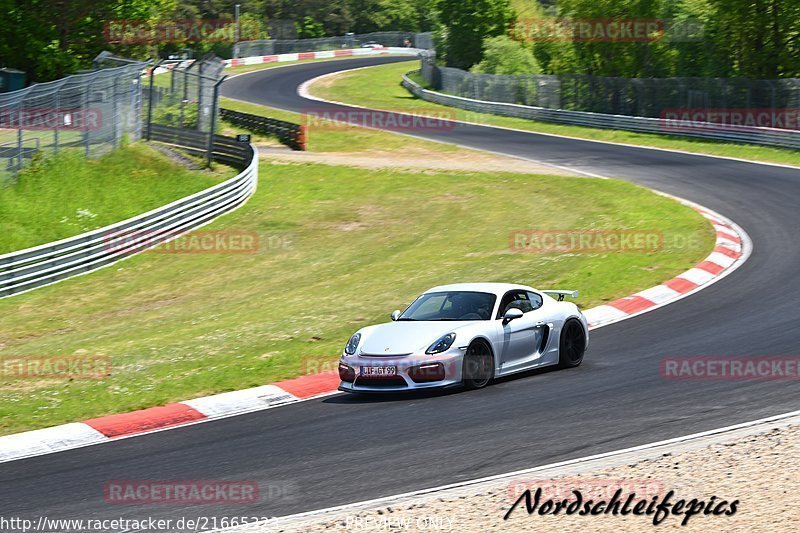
column 738, row 38
column 51, row 38
column 502, row 55
column 707, row 38
column 465, row 24
column 309, row 29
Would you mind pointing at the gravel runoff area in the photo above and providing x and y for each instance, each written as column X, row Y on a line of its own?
column 756, row 466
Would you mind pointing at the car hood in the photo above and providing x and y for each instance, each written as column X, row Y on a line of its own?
column 403, row 338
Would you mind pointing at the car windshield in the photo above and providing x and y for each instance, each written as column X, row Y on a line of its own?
column 451, row 305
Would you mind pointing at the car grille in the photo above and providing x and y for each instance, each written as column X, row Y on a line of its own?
column 394, row 381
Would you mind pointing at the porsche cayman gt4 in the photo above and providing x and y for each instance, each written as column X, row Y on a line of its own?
column 465, row 334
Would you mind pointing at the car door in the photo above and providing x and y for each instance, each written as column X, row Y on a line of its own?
column 549, row 317
column 521, row 337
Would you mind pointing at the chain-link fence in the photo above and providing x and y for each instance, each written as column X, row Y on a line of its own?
column 87, row 113
column 185, row 96
column 643, row 97
column 289, row 46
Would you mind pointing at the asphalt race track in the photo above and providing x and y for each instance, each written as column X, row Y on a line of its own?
column 342, row 449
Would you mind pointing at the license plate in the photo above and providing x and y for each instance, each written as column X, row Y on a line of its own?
column 379, row 371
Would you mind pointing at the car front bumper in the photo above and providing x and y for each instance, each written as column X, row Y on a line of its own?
column 414, row 372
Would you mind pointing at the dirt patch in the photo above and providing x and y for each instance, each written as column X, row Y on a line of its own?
column 417, row 160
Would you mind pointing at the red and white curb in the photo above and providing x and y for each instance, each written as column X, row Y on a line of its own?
column 107, row 428
column 304, row 56
column 325, row 54
column 731, row 249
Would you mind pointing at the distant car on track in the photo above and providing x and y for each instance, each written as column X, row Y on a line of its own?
column 372, row 44
column 465, row 334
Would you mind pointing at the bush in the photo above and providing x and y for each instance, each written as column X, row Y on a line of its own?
column 503, row 55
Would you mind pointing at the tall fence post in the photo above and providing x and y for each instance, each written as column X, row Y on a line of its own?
column 214, row 110
column 58, row 120
column 150, row 99
column 185, row 98
column 115, row 112
column 85, row 112
column 200, row 81
column 20, row 135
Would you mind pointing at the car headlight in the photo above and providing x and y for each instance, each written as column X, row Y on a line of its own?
column 442, row 344
column 352, row 344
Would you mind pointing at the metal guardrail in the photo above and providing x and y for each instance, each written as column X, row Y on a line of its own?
column 291, row 134
column 749, row 135
column 223, row 149
column 48, row 263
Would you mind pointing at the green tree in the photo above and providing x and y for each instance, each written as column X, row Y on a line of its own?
column 51, row 38
column 502, row 55
column 464, row 26
column 308, row 28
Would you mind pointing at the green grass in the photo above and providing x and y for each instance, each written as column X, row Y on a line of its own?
column 61, row 196
column 340, row 248
column 379, row 87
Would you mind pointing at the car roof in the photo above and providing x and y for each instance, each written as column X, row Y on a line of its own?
column 494, row 288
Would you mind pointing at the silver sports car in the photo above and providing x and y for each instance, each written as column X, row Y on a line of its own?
column 465, row 334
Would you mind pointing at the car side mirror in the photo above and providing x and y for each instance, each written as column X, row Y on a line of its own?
column 512, row 314
column 395, row 314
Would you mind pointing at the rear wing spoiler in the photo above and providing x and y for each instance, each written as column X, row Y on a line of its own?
column 560, row 295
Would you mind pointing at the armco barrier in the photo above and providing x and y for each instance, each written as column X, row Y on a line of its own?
column 752, row 135
column 289, row 133
column 42, row 265
column 224, row 149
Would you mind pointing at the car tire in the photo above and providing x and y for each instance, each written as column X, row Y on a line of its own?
column 478, row 368
column 572, row 344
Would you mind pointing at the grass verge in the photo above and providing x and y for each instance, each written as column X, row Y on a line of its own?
column 339, row 248
column 65, row 195
column 359, row 88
